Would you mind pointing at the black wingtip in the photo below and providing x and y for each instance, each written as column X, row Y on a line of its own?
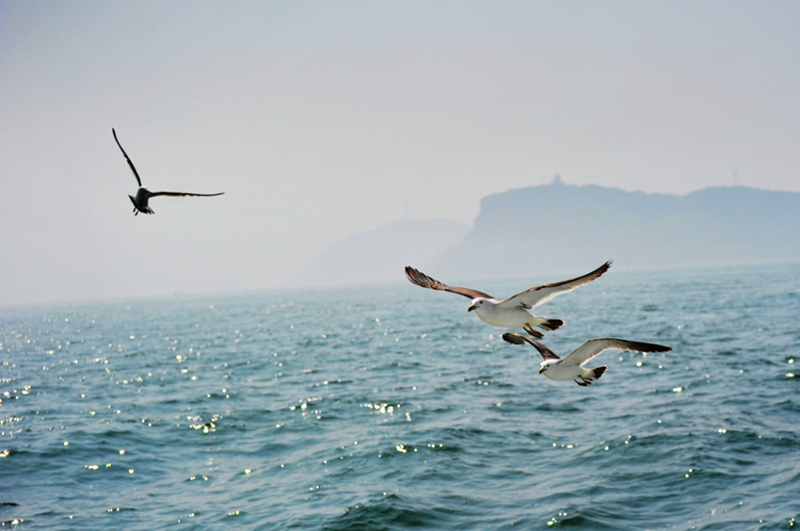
column 514, row 338
column 415, row 276
column 652, row 347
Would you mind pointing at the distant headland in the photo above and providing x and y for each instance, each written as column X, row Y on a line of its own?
column 560, row 227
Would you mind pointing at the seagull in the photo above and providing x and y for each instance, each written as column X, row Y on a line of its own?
column 571, row 367
column 143, row 195
column 511, row 312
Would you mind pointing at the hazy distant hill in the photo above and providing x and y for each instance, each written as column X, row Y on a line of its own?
column 566, row 229
column 559, row 227
column 381, row 255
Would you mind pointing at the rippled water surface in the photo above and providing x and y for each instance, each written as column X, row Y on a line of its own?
column 393, row 408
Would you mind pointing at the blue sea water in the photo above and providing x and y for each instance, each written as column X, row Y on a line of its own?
column 391, row 407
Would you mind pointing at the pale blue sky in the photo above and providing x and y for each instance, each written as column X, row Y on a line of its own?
column 318, row 119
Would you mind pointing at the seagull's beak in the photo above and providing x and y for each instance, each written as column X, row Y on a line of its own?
column 471, row 308
column 541, row 370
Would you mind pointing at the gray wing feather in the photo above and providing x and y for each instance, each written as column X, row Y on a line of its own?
column 593, row 347
column 530, row 298
column 182, row 194
column 135, row 173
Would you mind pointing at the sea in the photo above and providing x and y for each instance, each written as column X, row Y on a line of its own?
column 391, row 407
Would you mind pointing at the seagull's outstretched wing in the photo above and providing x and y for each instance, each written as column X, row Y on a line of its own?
column 519, row 339
column 593, row 347
column 182, row 194
column 530, row 298
column 135, row 173
column 421, row 279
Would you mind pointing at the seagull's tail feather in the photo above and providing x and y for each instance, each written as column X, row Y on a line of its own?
column 544, row 324
column 551, row 324
column 136, row 209
column 594, row 374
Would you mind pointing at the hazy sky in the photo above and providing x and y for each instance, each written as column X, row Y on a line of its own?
column 323, row 119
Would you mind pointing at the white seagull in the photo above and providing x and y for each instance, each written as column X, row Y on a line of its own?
column 143, row 195
column 571, row 367
column 511, row 312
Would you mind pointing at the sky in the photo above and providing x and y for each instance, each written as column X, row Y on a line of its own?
column 320, row 120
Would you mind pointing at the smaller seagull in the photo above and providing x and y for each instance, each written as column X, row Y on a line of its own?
column 143, row 195
column 511, row 312
column 571, row 367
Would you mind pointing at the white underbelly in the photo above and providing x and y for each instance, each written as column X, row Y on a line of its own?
column 510, row 318
column 563, row 373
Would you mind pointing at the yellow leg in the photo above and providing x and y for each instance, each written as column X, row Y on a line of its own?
column 528, row 328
